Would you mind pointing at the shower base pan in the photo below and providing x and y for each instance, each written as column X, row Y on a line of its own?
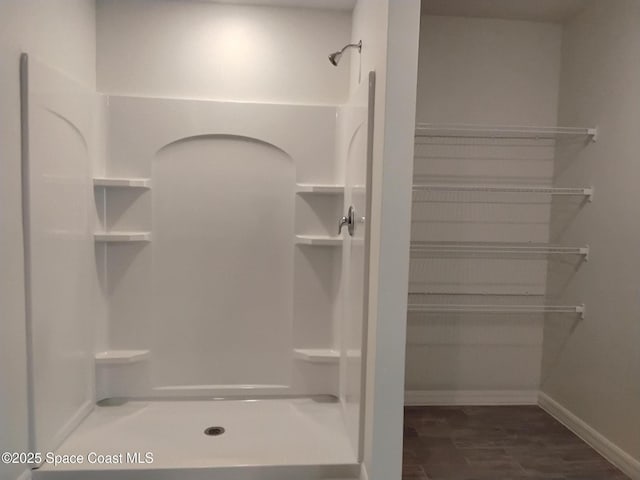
column 275, row 439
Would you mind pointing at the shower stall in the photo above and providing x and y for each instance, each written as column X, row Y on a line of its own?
column 229, row 303
column 197, row 265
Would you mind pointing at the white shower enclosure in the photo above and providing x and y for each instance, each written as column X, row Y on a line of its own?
column 185, row 270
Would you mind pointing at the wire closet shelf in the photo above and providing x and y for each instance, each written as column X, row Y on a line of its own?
column 497, row 248
column 497, row 309
column 516, row 189
column 503, row 131
column 506, row 132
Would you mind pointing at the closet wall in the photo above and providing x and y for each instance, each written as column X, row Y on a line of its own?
column 495, row 72
column 592, row 368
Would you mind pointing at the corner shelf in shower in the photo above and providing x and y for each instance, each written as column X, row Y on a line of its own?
column 122, row 237
column 120, row 357
column 317, row 355
column 318, row 240
column 122, row 182
column 323, row 189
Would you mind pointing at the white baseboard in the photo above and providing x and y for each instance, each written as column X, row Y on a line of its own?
column 602, row 445
column 363, row 472
column 470, row 397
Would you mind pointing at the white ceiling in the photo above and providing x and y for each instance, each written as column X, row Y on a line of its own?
column 318, row 4
column 556, row 11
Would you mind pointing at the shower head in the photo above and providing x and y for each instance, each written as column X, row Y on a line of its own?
column 334, row 57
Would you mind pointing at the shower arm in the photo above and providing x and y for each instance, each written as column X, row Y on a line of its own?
column 352, row 45
column 334, row 57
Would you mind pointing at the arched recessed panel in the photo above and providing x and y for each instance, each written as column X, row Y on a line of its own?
column 71, row 125
column 222, row 262
column 221, row 136
column 357, row 150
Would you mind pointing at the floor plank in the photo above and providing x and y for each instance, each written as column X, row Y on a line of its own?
column 496, row 443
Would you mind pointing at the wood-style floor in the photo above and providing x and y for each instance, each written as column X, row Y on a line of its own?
column 496, row 443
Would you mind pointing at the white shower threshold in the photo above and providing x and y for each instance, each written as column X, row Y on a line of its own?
column 279, row 439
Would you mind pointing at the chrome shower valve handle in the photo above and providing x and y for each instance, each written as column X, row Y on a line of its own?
column 349, row 220
column 341, row 223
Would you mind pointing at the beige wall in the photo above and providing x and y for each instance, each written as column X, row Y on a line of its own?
column 61, row 33
column 190, row 49
column 488, row 71
column 592, row 368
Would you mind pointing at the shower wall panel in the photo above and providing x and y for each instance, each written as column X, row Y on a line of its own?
column 222, row 264
column 211, row 296
column 352, row 149
column 61, row 272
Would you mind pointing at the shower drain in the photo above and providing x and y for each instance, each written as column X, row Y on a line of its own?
column 214, row 431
